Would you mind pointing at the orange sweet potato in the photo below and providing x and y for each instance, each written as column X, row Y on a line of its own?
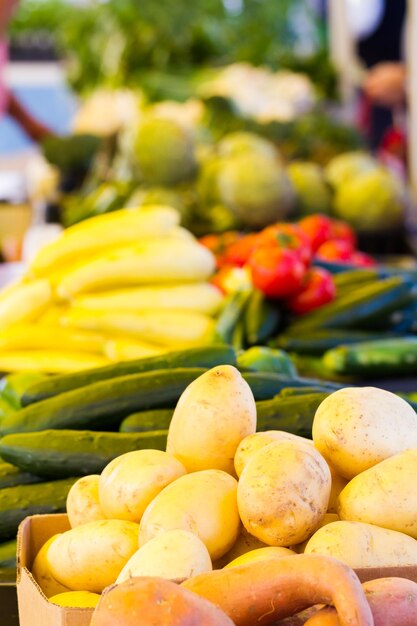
column 393, row 602
column 264, row 592
column 146, row 601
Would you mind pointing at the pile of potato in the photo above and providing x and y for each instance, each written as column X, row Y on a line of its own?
column 223, row 495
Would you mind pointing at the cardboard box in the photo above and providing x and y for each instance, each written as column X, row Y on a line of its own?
column 34, row 608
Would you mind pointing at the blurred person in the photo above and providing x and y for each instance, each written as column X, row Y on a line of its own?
column 9, row 104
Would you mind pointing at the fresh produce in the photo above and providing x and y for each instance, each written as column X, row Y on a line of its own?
column 204, row 502
column 131, row 481
column 278, row 273
column 260, row 554
column 292, row 413
column 18, row 502
column 23, row 302
column 363, row 545
column 312, row 192
column 273, row 589
column 381, row 494
column 338, row 484
column 207, row 356
column 164, row 151
column 393, row 602
column 157, row 601
column 252, row 443
column 356, row 428
column 8, row 551
column 42, row 574
column 11, row 476
column 371, row 201
column 222, row 404
column 91, row 556
column 83, row 504
column 374, row 358
column 104, row 403
column 79, row 599
column 175, row 555
column 347, row 166
column 277, row 510
column 56, row 361
column 147, row 420
column 262, row 359
column 318, row 289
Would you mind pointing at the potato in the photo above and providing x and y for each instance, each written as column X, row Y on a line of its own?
column 203, row 503
column 384, row 495
column 283, row 492
column 363, row 545
column 244, row 543
column 41, row 571
column 175, row 554
column 261, row 554
column 211, row 418
column 90, row 557
column 82, row 501
column 131, row 481
column 356, row 428
column 79, row 599
column 252, row 443
column 327, row 519
column 338, row 483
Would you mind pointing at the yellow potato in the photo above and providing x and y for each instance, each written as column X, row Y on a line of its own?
column 131, row 481
column 211, row 418
column 82, row 501
column 338, row 483
column 261, row 554
column 175, row 554
column 203, row 503
column 363, row 545
column 252, row 443
column 356, row 428
column 78, row 599
column 90, row 557
column 42, row 574
column 384, row 495
column 327, row 519
column 283, row 492
column 243, row 544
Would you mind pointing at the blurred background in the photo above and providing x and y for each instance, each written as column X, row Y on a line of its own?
column 314, row 78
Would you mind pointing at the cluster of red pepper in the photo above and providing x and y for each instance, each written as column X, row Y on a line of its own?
column 278, row 260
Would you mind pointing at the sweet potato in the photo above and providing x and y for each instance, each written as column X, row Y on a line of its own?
column 393, row 602
column 149, row 601
column 262, row 593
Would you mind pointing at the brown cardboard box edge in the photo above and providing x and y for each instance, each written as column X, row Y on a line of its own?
column 34, row 608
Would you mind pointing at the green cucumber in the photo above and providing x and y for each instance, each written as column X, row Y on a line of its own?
column 10, row 476
column 16, row 503
column 156, row 419
column 205, row 356
column 387, row 357
column 322, row 340
column 301, row 391
column 353, row 278
column 262, row 319
column 8, row 553
column 14, row 386
column 293, row 414
column 263, row 359
column 360, row 308
column 103, row 405
column 63, row 453
column 231, row 313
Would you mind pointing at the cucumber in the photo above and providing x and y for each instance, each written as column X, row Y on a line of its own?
column 11, row 476
column 205, row 356
column 359, row 308
column 262, row 319
column 16, row 503
column 346, row 280
column 63, row 453
column 103, row 405
column 14, row 386
column 231, row 313
column 309, row 365
column 263, row 359
column 293, row 414
column 301, row 391
column 157, row 419
column 8, row 554
column 387, row 357
column 322, row 340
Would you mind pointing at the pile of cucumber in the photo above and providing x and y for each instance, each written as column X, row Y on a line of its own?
column 55, row 429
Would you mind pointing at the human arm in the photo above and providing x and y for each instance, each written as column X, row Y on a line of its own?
column 32, row 127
